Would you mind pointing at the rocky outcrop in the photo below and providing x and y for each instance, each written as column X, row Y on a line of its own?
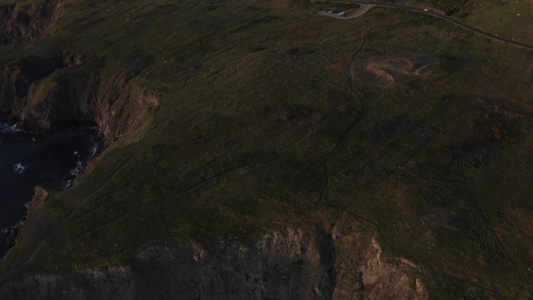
column 10, row 237
column 292, row 264
column 118, row 105
column 14, row 85
column 50, row 105
column 43, row 95
column 16, row 81
column 39, row 195
column 20, row 23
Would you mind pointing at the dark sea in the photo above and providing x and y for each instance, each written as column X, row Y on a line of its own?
column 50, row 161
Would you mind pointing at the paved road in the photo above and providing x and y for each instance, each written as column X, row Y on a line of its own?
column 401, row 5
column 335, row 15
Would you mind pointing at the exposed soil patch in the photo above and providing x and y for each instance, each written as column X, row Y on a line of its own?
column 381, row 71
column 452, row 219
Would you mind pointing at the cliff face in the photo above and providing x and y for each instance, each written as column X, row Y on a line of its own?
column 292, row 264
column 45, row 95
column 27, row 22
column 117, row 105
column 14, row 86
column 16, row 80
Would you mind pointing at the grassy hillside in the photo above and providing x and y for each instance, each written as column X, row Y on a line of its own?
column 508, row 19
column 261, row 126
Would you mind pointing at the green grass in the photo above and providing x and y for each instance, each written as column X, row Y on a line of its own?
column 253, row 100
column 511, row 19
column 507, row 19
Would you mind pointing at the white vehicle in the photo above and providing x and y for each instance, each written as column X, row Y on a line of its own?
column 341, row 14
column 425, row 9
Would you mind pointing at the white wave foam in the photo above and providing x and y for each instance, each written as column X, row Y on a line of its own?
column 14, row 225
column 5, row 128
column 20, row 222
column 94, row 148
column 77, row 169
column 19, row 168
column 67, row 185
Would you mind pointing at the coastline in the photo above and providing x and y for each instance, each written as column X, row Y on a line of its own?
column 52, row 161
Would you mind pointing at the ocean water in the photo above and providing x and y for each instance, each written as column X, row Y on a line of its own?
column 51, row 161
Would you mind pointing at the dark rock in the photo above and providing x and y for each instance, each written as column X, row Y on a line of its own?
column 10, row 237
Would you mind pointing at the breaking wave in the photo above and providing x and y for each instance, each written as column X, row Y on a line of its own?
column 5, row 128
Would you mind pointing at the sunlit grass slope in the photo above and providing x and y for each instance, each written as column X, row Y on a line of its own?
column 511, row 19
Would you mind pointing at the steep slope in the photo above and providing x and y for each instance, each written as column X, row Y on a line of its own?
column 263, row 150
column 293, row 264
column 47, row 88
column 25, row 21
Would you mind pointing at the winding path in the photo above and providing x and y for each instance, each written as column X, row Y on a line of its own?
column 367, row 5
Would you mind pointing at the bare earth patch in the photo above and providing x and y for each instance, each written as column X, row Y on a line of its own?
column 381, row 71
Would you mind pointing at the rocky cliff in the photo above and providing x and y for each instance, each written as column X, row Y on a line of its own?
column 48, row 92
column 21, row 23
column 291, row 264
column 44, row 94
